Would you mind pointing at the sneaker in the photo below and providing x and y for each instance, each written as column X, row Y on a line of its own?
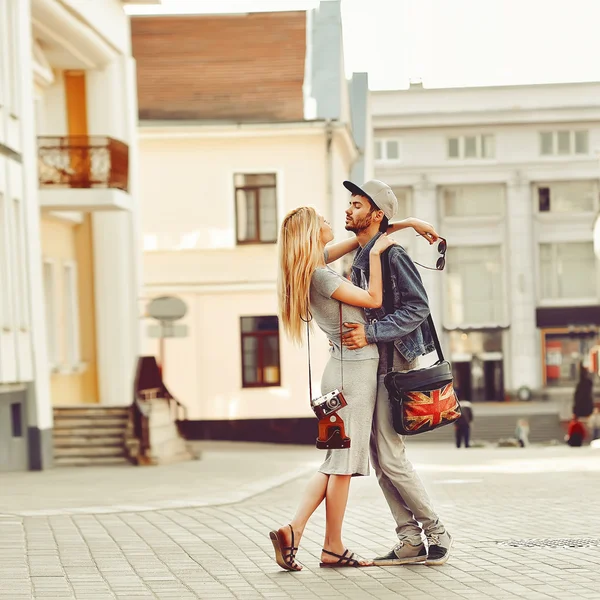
column 404, row 553
column 439, row 548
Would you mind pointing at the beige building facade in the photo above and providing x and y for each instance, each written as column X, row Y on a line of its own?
column 217, row 180
column 69, row 214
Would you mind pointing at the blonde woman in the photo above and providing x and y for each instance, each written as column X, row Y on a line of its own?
column 308, row 288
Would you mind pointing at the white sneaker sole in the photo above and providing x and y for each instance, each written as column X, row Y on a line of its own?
column 441, row 561
column 392, row 562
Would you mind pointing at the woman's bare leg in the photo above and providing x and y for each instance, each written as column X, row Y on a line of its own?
column 336, row 499
column 314, row 494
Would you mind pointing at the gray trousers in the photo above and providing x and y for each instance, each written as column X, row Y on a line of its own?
column 401, row 486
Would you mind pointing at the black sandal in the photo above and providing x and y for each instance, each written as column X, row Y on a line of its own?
column 285, row 555
column 344, row 561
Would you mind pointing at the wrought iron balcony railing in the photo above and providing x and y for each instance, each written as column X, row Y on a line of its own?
column 83, row 161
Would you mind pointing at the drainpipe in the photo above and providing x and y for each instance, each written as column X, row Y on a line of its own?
column 329, row 170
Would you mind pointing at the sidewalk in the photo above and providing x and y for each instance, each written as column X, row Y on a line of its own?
column 526, row 525
column 226, row 473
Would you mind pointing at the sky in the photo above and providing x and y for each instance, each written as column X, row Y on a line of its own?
column 451, row 43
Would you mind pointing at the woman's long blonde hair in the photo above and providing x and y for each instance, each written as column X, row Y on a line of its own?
column 300, row 253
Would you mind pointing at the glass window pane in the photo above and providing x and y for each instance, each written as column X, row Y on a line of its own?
column 470, row 147
column 378, row 150
column 254, row 179
column 268, row 215
column 247, row 226
column 271, row 359
column 488, row 149
column 564, row 354
column 568, row 196
column 546, row 139
column 250, row 358
column 547, row 274
column 475, row 286
column 564, row 142
column 453, row 148
column 576, row 270
column 581, row 142
column 254, row 324
column 392, row 151
column 473, row 200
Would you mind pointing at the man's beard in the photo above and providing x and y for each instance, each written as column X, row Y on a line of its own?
column 360, row 225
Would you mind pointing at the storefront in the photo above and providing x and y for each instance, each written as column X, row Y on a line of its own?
column 569, row 338
column 478, row 363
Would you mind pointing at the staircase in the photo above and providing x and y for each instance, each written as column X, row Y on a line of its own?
column 90, row 435
column 496, row 422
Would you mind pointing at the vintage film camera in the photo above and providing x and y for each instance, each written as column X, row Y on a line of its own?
column 332, row 435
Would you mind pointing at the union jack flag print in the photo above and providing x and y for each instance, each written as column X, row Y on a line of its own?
column 430, row 409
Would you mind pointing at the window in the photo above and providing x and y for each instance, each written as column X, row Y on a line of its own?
column 472, row 146
column 72, row 314
column 546, row 143
column 50, row 292
column 567, row 271
column 472, row 200
column 475, row 286
column 581, row 142
column 564, row 352
column 564, row 143
column 567, row 196
column 387, row 149
column 453, row 148
column 256, row 208
column 260, row 351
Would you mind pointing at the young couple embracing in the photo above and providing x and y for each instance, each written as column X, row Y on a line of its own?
column 309, row 288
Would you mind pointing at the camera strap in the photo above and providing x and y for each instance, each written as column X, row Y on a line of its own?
column 341, row 353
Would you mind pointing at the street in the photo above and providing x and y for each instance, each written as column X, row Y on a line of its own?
column 526, row 524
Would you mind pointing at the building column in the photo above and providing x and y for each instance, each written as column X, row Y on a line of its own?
column 424, row 206
column 524, row 354
column 112, row 111
column 39, row 408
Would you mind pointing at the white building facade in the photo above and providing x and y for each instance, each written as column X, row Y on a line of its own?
column 509, row 175
column 69, row 259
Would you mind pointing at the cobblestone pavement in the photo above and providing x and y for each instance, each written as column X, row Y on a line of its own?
column 488, row 498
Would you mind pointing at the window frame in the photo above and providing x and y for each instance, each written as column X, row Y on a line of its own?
column 479, row 146
column 260, row 336
column 572, row 143
column 549, row 214
column 555, row 301
column 255, row 188
column 383, row 141
column 504, row 320
column 479, row 219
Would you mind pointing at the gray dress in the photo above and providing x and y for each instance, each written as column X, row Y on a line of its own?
column 360, row 375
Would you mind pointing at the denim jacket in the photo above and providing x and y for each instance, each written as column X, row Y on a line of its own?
column 407, row 326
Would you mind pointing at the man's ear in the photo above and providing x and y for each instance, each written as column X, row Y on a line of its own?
column 378, row 216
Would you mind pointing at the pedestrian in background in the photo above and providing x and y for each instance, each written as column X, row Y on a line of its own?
column 462, row 426
column 583, row 401
column 522, row 432
column 576, row 432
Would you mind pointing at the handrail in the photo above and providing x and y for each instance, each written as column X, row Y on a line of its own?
column 82, row 161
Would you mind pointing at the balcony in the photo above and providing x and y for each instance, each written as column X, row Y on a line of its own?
column 83, row 173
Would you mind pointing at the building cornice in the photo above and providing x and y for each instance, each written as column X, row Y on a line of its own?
column 486, row 118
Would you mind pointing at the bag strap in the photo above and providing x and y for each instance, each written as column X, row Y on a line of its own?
column 308, row 345
column 388, row 304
